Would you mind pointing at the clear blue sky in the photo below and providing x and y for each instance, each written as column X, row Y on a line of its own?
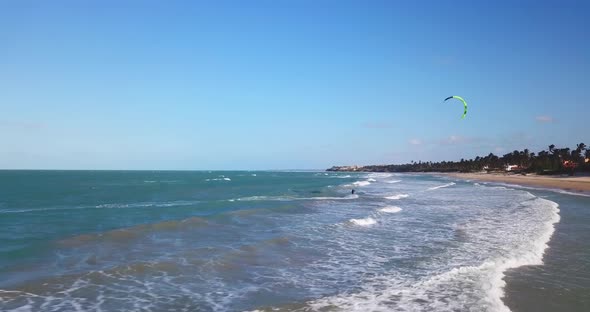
column 287, row 84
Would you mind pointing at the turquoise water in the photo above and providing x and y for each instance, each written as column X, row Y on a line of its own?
column 244, row 241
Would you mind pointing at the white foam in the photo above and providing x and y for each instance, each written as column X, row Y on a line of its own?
column 363, row 222
column 380, row 175
column 441, row 186
column 393, row 181
column 390, row 209
column 531, row 256
column 107, row 206
column 573, row 193
column 361, row 183
column 508, row 186
column 290, row 198
column 371, row 180
column 398, row 196
column 351, row 196
column 144, row 204
column 226, row 179
column 264, row 198
column 462, row 287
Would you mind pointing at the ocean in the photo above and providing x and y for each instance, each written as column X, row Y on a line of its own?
column 287, row 241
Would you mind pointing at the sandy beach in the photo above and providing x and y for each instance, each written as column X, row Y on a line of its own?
column 580, row 184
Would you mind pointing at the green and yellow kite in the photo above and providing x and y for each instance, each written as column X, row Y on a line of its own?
column 462, row 100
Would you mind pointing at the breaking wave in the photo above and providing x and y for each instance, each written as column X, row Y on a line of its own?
column 390, row 209
column 398, row 196
column 363, row 222
column 442, row 186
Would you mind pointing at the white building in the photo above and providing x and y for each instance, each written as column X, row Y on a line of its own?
column 512, row 167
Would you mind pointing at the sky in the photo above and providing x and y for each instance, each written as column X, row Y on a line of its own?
column 254, row 85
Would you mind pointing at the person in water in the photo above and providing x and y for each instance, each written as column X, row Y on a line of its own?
column 352, row 191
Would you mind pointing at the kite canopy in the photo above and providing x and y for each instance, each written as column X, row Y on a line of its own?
column 462, row 100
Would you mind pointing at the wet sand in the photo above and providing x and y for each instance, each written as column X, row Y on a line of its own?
column 579, row 184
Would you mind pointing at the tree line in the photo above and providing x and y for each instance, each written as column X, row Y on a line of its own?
column 551, row 161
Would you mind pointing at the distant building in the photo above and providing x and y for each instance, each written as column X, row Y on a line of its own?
column 346, row 168
column 569, row 164
column 513, row 168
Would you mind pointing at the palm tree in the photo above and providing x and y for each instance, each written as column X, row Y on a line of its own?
column 526, row 157
column 576, row 154
column 555, row 162
column 564, row 153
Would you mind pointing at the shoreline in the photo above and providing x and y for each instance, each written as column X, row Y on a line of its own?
column 533, row 287
column 566, row 183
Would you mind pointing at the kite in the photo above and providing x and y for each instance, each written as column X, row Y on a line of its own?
column 462, row 100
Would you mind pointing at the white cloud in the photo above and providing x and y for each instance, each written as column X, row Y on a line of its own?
column 415, row 142
column 544, row 119
column 455, row 139
column 471, row 141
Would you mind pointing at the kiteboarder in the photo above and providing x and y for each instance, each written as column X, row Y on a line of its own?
column 352, row 191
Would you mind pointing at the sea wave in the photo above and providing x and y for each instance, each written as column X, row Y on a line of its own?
column 106, row 206
column 573, row 193
column 441, row 186
column 363, row 222
column 500, row 185
column 380, row 175
column 390, row 209
column 397, row 196
column 218, row 179
column 484, row 281
column 161, row 181
column 530, row 255
column 291, row 198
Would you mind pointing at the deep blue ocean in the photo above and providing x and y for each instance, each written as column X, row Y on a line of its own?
column 279, row 241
